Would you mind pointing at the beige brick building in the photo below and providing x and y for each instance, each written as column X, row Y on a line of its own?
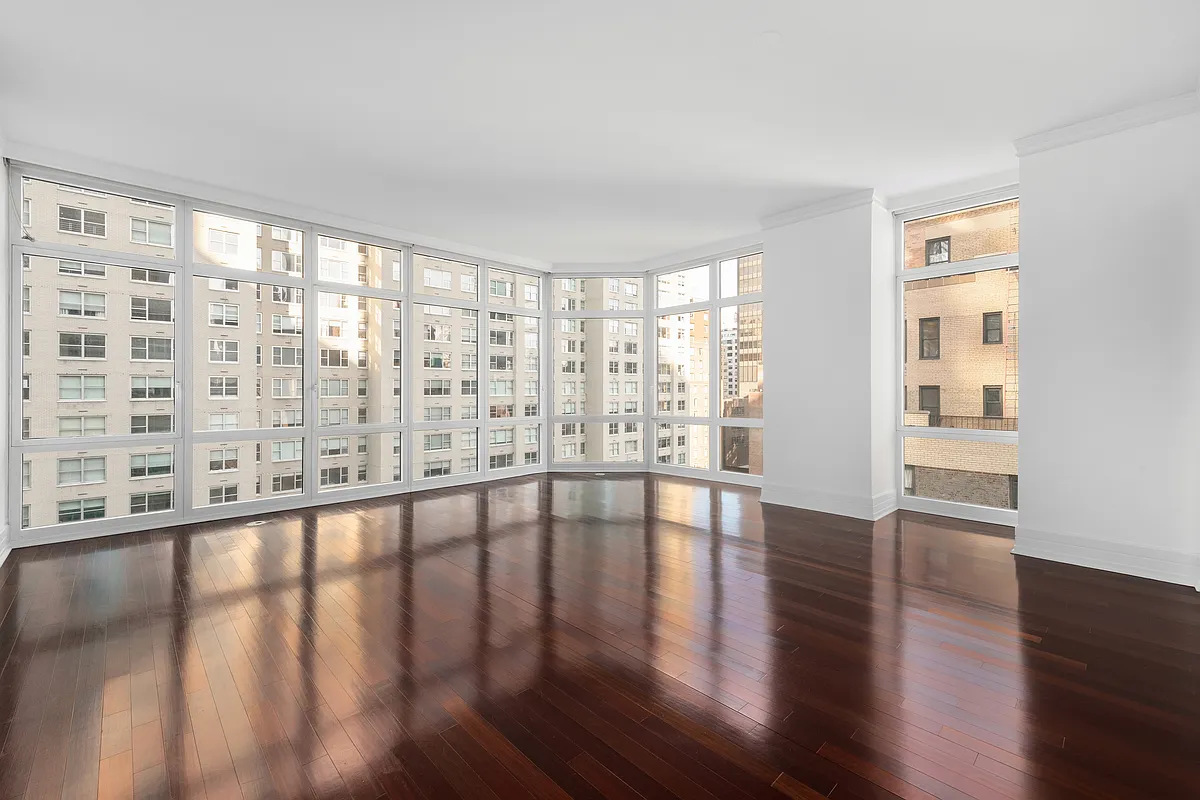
column 961, row 357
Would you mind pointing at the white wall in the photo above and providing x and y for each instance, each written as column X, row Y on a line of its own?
column 830, row 424
column 1110, row 408
column 5, row 216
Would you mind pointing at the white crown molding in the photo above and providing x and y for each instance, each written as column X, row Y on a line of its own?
column 964, row 193
column 842, row 202
column 83, row 165
column 704, row 252
column 1154, row 563
column 1158, row 111
column 595, row 267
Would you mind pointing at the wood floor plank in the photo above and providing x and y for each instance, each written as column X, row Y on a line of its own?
column 588, row 636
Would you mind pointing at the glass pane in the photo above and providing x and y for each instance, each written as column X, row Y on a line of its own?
column 577, row 443
column 682, row 445
column 81, row 217
column 960, row 363
column 742, row 450
column 742, row 361
column 446, row 379
column 682, row 287
column 513, row 445
column 247, row 355
column 358, row 360
column 598, row 366
column 441, row 277
column 358, row 264
column 682, row 380
column 741, row 275
column 437, row 453
column 597, row 294
column 99, row 349
column 513, row 289
column 79, row 485
column 513, row 365
column 345, row 461
column 963, row 235
column 246, row 244
column 980, row 473
column 243, row 471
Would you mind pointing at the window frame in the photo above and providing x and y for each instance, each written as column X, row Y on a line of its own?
column 654, row 412
column 183, row 270
column 998, row 195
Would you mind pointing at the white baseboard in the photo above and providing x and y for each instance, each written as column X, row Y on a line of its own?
column 5, row 544
column 1156, row 563
column 844, row 505
column 883, row 504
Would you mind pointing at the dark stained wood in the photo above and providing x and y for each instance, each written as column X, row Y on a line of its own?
column 589, row 637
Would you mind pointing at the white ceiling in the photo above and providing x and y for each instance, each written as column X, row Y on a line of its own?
column 570, row 131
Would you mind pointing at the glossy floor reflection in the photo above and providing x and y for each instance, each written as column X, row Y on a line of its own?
column 589, row 637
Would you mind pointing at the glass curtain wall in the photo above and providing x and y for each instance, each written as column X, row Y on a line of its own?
column 707, row 410
column 222, row 362
column 958, row 280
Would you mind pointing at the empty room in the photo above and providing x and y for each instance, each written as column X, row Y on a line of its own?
column 388, row 410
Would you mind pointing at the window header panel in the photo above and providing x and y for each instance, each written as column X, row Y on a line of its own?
column 963, row 235
column 77, row 216
column 616, row 294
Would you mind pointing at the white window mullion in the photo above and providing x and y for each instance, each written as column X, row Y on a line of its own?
column 310, row 336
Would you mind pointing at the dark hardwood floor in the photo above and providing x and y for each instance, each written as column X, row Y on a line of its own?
column 589, row 637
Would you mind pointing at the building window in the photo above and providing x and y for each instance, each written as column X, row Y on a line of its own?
column 73, row 471
column 148, row 231
column 151, row 348
column 82, row 221
column 149, row 502
column 223, row 315
column 930, row 399
column 79, row 426
column 931, row 337
column 434, row 469
column 993, row 332
column 222, row 351
column 80, row 388
column 82, row 345
column 223, row 422
column 287, row 450
column 937, row 251
column 82, row 269
column 222, row 494
column 151, row 276
column 150, row 465
column 78, row 510
column 993, row 401
column 81, row 304
column 224, row 459
column 335, row 476
column 222, row 243
column 151, row 309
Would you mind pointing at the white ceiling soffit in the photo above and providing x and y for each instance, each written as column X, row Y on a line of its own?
column 572, row 132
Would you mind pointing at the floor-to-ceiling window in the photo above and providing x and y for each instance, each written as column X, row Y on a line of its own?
column 219, row 362
column 597, row 356
column 707, row 387
column 958, row 281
